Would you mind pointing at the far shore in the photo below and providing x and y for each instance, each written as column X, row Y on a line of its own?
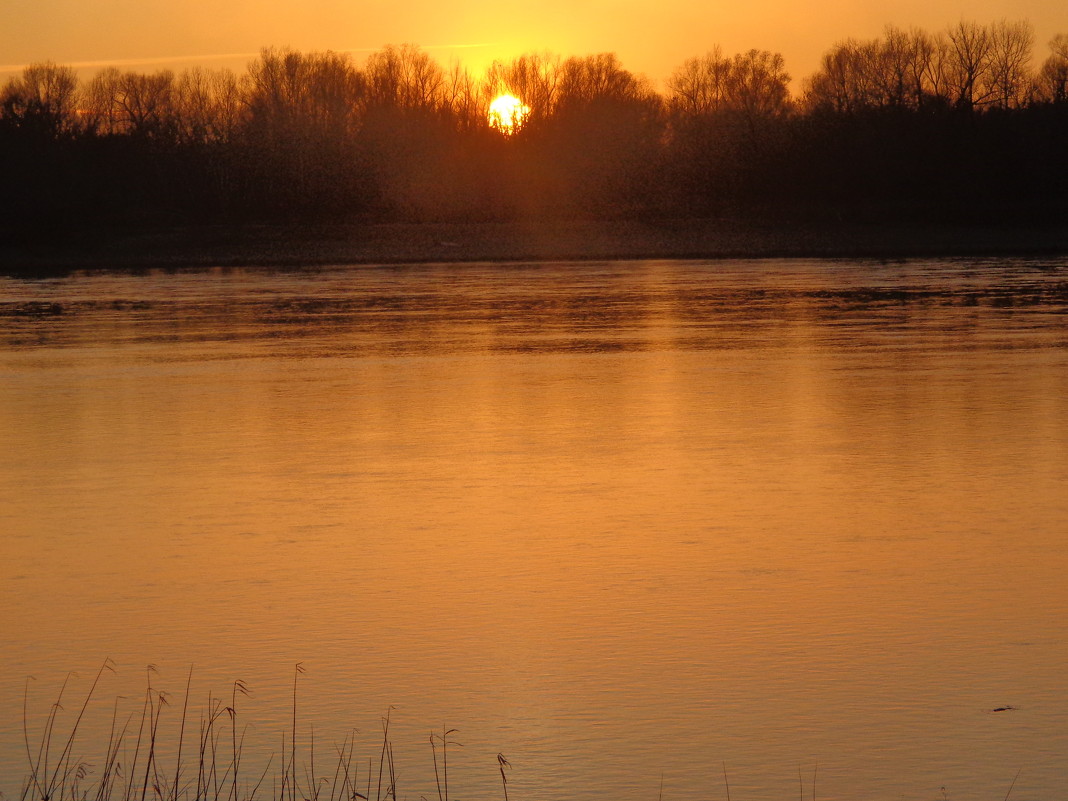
column 289, row 245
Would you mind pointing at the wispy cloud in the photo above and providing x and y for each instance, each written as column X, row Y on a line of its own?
column 163, row 60
column 137, row 62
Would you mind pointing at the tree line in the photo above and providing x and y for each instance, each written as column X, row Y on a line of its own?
column 955, row 123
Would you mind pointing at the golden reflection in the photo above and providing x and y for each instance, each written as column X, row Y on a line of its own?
column 758, row 525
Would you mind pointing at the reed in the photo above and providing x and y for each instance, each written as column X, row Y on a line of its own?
column 133, row 769
column 503, row 763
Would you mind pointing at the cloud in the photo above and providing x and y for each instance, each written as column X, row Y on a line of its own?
column 163, row 60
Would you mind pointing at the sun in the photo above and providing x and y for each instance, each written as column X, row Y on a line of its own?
column 507, row 113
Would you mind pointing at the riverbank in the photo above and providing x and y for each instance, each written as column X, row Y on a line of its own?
column 392, row 243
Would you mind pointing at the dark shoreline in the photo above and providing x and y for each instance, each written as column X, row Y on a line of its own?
column 287, row 245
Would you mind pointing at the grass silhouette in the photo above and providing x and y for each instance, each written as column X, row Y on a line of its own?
column 133, row 769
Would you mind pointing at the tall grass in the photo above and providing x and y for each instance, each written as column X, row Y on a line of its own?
column 133, row 769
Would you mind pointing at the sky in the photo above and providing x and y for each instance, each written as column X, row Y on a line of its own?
column 651, row 37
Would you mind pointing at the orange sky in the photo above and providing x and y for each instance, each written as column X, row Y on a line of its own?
column 650, row 37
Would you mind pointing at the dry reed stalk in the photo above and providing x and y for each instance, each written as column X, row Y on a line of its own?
column 210, row 770
column 503, row 763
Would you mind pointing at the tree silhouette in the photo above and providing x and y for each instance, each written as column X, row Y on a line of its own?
column 404, row 77
column 901, row 70
column 301, row 124
column 146, row 104
column 208, row 105
column 910, row 124
column 532, row 77
column 1053, row 77
column 1010, row 59
column 100, row 99
column 463, row 98
column 41, row 101
column 599, row 143
column 758, row 87
column 966, row 59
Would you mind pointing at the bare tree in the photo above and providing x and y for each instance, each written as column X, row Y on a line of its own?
column 132, row 103
column 967, row 64
column 1010, row 60
column 274, row 86
column 906, row 63
column 207, row 105
column 286, row 89
column 597, row 78
column 848, row 78
column 598, row 144
column 532, row 77
column 146, row 104
column 42, row 98
column 303, row 103
column 463, row 97
column 303, row 114
column 896, row 71
column 700, row 85
column 1053, row 76
column 758, row 85
column 100, row 100
column 404, row 77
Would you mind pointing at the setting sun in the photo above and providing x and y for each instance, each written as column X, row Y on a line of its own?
column 507, row 113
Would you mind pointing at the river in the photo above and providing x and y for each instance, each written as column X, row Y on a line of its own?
column 650, row 529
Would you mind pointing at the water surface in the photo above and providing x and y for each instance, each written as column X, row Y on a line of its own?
column 629, row 524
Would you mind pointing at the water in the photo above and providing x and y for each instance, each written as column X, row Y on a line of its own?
column 634, row 525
